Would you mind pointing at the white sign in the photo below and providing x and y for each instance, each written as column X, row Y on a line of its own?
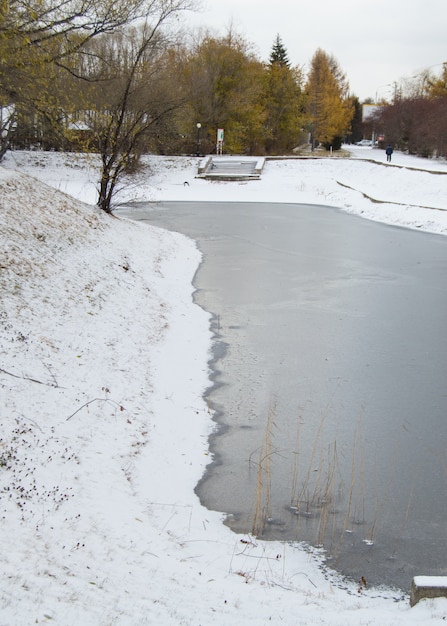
column 220, row 135
column 370, row 110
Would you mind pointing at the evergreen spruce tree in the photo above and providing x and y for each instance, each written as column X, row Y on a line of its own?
column 282, row 102
column 278, row 55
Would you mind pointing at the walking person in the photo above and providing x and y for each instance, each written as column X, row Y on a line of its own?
column 389, row 152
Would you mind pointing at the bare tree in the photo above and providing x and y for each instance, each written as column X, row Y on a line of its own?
column 7, row 125
column 134, row 92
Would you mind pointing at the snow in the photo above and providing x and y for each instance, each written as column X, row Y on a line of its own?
column 104, row 428
column 430, row 581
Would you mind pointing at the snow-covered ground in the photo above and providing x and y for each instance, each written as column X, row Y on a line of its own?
column 411, row 192
column 103, row 425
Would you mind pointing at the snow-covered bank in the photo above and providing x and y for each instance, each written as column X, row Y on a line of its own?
column 410, row 192
column 104, row 428
column 98, row 335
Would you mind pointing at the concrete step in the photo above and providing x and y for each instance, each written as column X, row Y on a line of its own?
column 232, row 168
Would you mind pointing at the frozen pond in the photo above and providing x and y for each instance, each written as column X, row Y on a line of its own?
column 330, row 379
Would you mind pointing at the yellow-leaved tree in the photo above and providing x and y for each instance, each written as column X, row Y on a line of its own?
column 40, row 45
column 282, row 101
column 437, row 87
column 329, row 107
column 224, row 82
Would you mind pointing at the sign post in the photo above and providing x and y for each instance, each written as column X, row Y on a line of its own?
column 220, row 139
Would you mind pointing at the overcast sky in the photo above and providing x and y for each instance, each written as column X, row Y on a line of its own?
column 376, row 42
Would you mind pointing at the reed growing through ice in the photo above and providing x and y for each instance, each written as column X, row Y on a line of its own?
column 332, row 495
column 264, row 476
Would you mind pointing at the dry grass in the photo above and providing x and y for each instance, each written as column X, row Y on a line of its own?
column 264, row 476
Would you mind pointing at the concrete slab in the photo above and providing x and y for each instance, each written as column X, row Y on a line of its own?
column 231, row 168
column 428, row 587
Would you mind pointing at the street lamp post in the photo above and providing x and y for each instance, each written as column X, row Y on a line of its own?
column 380, row 88
column 199, row 126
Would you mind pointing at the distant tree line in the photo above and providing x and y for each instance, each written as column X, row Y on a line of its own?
column 268, row 108
column 416, row 119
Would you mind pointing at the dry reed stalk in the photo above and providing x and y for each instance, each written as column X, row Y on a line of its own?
column 264, row 476
column 327, row 497
column 295, row 472
column 404, row 523
column 311, row 462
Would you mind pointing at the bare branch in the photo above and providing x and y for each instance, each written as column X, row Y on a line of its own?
column 119, row 406
column 33, row 380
